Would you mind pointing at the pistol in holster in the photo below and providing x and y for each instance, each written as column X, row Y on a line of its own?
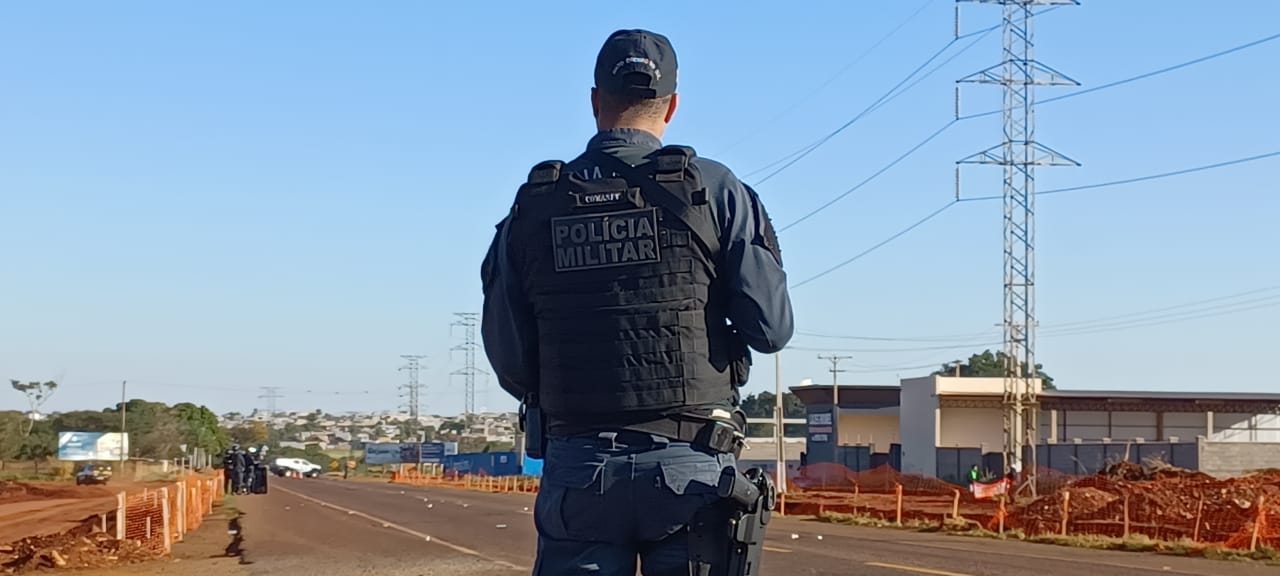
column 727, row 538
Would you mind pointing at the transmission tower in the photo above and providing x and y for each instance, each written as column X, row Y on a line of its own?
column 1019, row 154
column 412, row 387
column 467, row 321
column 271, row 393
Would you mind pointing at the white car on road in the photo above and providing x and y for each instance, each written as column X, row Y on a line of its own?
column 299, row 465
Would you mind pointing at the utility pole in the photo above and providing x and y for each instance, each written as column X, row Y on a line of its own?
column 124, row 444
column 1018, row 75
column 835, row 368
column 835, row 394
column 778, row 417
column 467, row 321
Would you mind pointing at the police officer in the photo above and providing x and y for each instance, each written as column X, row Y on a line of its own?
column 622, row 291
column 230, row 474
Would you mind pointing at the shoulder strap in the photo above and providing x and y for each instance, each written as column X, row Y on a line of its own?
column 671, row 166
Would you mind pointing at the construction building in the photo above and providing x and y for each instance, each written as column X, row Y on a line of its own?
column 940, row 426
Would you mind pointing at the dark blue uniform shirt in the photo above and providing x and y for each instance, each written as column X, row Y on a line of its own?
column 760, row 307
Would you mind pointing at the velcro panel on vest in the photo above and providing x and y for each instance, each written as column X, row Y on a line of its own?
column 547, row 172
column 670, row 163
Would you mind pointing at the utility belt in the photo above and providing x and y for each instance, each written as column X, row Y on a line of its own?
column 721, row 432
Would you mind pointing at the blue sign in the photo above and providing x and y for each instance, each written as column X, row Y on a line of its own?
column 433, row 452
column 382, row 453
column 410, row 453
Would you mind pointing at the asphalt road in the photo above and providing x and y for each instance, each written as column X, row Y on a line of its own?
column 346, row 528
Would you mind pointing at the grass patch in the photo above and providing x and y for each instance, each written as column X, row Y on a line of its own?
column 1134, row 543
column 871, row 521
column 1268, row 556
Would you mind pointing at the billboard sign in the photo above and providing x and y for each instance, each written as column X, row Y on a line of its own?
column 385, row 453
column 433, row 453
column 86, row 446
column 410, row 453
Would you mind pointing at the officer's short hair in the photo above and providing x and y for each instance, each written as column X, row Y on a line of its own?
column 626, row 106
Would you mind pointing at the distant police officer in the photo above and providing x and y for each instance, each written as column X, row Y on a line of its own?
column 621, row 294
column 230, row 476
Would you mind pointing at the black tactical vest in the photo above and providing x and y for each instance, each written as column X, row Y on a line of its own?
column 620, row 274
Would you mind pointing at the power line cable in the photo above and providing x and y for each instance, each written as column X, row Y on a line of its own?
column 1265, row 301
column 1142, row 76
column 1068, row 328
column 892, row 93
column 916, row 147
column 796, row 103
column 1106, row 319
column 870, row 178
column 797, row 155
column 1272, row 303
column 894, row 350
column 952, row 338
column 1141, row 178
column 876, row 246
column 951, row 203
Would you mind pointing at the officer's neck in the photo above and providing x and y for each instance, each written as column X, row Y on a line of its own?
column 657, row 129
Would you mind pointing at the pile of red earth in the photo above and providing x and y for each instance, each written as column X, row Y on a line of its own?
column 829, row 477
column 85, row 546
column 1163, row 503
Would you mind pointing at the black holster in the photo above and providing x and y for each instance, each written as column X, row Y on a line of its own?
column 727, row 538
column 533, row 426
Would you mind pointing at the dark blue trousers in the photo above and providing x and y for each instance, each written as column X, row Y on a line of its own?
column 605, row 503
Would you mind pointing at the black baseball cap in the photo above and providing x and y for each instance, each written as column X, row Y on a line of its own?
column 637, row 62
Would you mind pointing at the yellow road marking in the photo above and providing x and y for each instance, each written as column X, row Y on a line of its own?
column 776, row 549
column 914, row 569
column 408, row 531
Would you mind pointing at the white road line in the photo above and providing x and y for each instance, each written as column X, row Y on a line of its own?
column 915, row 569
column 409, row 531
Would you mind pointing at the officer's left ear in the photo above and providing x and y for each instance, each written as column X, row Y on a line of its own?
column 671, row 107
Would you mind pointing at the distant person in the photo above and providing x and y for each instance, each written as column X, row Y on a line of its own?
column 622, row 293
column 974, row 476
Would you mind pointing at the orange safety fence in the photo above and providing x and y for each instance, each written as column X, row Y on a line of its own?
column 480, row 482
column 1164, row 504
column 156, row 517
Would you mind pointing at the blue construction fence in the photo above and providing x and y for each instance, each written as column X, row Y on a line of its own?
column 1072, row 459
column 860, row 458
column 483, row 464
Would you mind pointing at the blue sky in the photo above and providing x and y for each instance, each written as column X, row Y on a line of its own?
column 204, row 200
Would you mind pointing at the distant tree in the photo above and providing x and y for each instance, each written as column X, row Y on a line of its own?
column 11, row 439
column 761, row 405
column 988, row 365
column 39, row 444
column 37, row 394
column 252, row 434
